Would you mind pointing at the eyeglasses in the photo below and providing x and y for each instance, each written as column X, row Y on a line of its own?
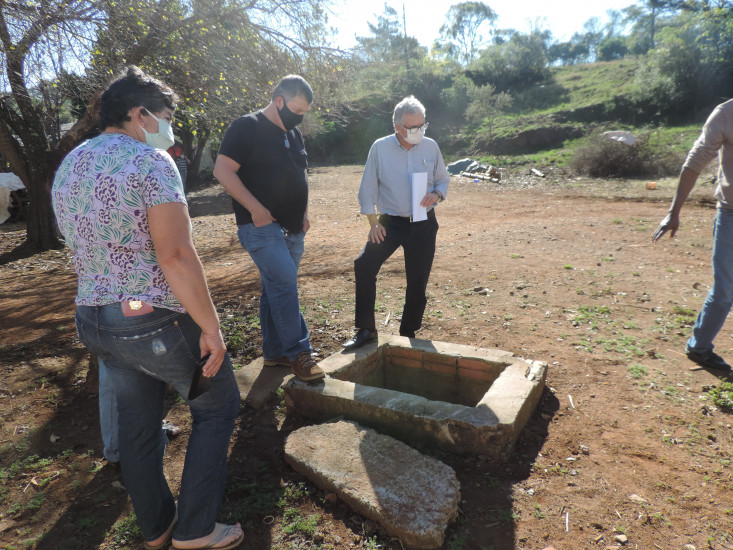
column 416, row 129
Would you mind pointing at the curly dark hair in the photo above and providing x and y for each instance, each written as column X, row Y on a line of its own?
column 133, row 88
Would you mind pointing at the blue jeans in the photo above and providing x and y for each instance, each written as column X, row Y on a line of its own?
column 108, row 421
column 277, row 255
column 143, row 355
column 108, row 424
column 720, row 298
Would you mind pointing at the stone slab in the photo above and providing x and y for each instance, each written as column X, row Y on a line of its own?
column 412, row 496
column 258, row 384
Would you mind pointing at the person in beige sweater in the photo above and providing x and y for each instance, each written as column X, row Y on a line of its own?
column 716, row 139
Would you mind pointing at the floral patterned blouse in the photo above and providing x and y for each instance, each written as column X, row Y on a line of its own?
column 101, row 194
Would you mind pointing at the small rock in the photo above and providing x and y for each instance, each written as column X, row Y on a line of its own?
column 637, row 499
column 689, row 547
column 623, row 539
column 331, row 497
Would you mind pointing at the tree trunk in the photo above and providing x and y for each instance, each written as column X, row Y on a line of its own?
column 196, row 160
column 41, row 232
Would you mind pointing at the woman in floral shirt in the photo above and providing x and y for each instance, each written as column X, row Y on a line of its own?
column 144, row 308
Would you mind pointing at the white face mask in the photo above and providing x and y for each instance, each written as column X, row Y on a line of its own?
column 163, row 138
column 413, row 138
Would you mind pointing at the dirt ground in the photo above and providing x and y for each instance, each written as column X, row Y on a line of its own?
column 626, row 448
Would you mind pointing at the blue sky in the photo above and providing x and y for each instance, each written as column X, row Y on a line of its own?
column 424, row 17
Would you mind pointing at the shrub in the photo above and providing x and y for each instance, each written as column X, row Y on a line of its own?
column 603, row 158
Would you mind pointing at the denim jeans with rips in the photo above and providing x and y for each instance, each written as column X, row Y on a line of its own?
column 143, row 355
column 277, row 254
column 720, row 298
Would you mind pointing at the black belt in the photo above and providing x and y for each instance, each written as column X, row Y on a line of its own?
column 431, row 214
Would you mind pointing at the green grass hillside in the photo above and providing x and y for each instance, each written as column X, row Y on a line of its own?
column 551, row 121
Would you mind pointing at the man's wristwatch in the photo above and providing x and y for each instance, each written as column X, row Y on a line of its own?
column 441, row 198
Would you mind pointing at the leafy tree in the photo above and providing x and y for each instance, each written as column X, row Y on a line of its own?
column 221, row 53
column 388, row 43
column 690, row 67
column 612, row 48
column 486, row 106
column 516, row 63
column 460, row 36
column 646, row 18
column 567, row 53
column 36, row 42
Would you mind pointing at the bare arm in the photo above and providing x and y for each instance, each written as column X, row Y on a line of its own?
column 671, row 221
column 170, row 230
column 225, row 170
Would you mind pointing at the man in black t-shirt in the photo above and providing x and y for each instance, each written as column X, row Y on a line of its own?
column 262, row 164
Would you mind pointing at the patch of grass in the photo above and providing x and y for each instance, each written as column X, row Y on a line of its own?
column 637, row 370
column 30, row 464
column 722, row 396
column 36, row 502
column 659, row 517
column 684, row 317
column 568, row 266
column 235, row 328
column 591, row 316
column 252, row 499
column 295, row 523
column 293, row 493
column 126, row 531
column 516, row 256
column 538, row 513
column 87, row 523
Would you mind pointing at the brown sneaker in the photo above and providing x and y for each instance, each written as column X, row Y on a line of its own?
column 305, row 367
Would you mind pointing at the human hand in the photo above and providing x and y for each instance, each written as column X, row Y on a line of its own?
column 261, row 217
column 430, row 199
column 212, row 343
column 306, row 224
column 671, row 223
column 377, row 233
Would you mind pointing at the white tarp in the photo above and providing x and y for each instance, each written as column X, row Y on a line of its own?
column 621, row 136
column 8, row 182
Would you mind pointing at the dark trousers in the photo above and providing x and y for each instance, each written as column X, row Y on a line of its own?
column 418, row 243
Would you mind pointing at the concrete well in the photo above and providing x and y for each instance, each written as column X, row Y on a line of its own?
column 460, row 398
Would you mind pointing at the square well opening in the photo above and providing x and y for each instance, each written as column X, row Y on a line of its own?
column 432, row 375
column 460, row 398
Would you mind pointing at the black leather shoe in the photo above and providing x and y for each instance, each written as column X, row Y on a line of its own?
column 363, row 336
column 709, row 360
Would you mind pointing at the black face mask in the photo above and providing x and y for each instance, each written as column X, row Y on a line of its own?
column 289, row 119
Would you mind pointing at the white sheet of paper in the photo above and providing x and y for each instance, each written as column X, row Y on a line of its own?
column 419, row 182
